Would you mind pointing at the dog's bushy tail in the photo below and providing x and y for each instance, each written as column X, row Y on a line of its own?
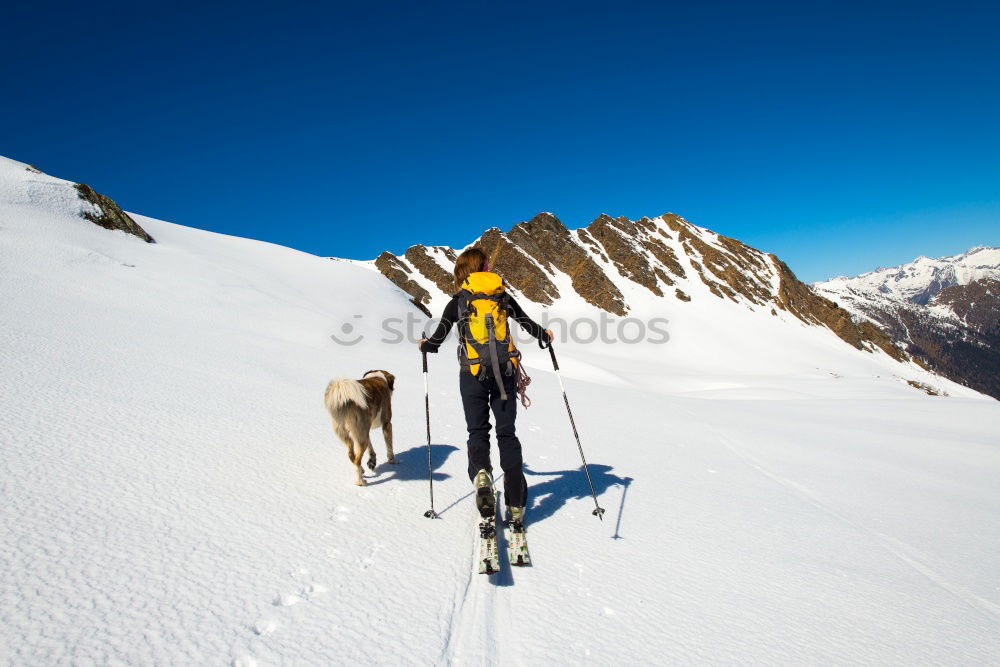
column 342, row 391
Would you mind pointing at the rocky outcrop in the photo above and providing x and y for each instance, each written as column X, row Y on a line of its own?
column 108, row 214
column 400, row 274
column 420, row 258
column 518, row 270
column 546, row 240
column 616, row 237
column 728, row 267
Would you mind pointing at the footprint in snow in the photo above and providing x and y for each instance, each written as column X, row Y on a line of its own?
column 265, row 626
column 315, row 590
column 366, row 563
column 287, row 600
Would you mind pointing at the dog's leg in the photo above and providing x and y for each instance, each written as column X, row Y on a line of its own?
column 387, row 434
column 371, row 453
column 356, row 452
column 345, row 435
column 359, row 451
column 354, row 456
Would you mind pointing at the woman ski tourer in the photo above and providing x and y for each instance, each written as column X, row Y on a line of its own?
column 490, row 377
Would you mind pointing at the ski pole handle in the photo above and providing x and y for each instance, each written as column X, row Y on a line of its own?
column 425, row 360
column 547, row 345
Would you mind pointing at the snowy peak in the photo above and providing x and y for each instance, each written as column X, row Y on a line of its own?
column 943, row 311
column 622, row 266
column 922, row 278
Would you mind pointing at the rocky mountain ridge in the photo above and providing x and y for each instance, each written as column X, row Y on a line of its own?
column 608, row 262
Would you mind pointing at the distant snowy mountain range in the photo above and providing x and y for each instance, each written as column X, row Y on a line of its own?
column 945, row 312
column 921, row 279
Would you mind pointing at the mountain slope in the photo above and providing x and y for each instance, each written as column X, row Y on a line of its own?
column 943, row 311
column 173, row 493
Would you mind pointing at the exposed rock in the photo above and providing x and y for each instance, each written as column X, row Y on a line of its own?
column 736, row 268
column 548, row 242
column 419, row 257
column 517, row 269
column 421, row 307
column 926, row 388
column 595, row 247
column 109, row 215
column 393, row 269
column 614, row 234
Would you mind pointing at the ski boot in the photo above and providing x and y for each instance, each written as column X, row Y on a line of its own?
column 517, row 539
column 485, row 498
column 515, row 519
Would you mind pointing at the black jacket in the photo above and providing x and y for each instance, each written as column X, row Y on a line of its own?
column 450, row 316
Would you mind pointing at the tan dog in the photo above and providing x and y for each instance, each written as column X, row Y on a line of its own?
column 358, row 406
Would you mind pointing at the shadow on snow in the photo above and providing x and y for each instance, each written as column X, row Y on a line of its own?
column 412, row 465
column 550, row 496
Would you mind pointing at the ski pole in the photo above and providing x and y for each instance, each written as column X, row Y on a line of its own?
column 598, row 510
column 430, row 514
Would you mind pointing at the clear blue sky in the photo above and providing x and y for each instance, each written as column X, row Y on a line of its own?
column 839, row 135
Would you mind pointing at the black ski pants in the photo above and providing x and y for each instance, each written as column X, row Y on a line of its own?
column 478, row 398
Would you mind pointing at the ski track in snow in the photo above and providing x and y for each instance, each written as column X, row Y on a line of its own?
column 897, row 548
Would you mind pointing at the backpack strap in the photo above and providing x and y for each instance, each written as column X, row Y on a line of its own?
column 494, row 358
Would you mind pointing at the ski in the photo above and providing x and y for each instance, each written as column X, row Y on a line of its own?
column 489, row 553
column 517, row 544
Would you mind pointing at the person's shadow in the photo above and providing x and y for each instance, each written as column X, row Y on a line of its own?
column 412, row 465
column 549, row 496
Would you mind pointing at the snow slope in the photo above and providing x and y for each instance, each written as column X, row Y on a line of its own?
column 172, row 493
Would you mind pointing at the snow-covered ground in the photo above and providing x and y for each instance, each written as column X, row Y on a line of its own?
column 173, row 493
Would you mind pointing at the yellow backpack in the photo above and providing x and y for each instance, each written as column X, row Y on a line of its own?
column 486, row 347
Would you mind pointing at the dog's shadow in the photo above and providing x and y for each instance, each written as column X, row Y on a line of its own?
column 411, row 465
column 550, row 496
